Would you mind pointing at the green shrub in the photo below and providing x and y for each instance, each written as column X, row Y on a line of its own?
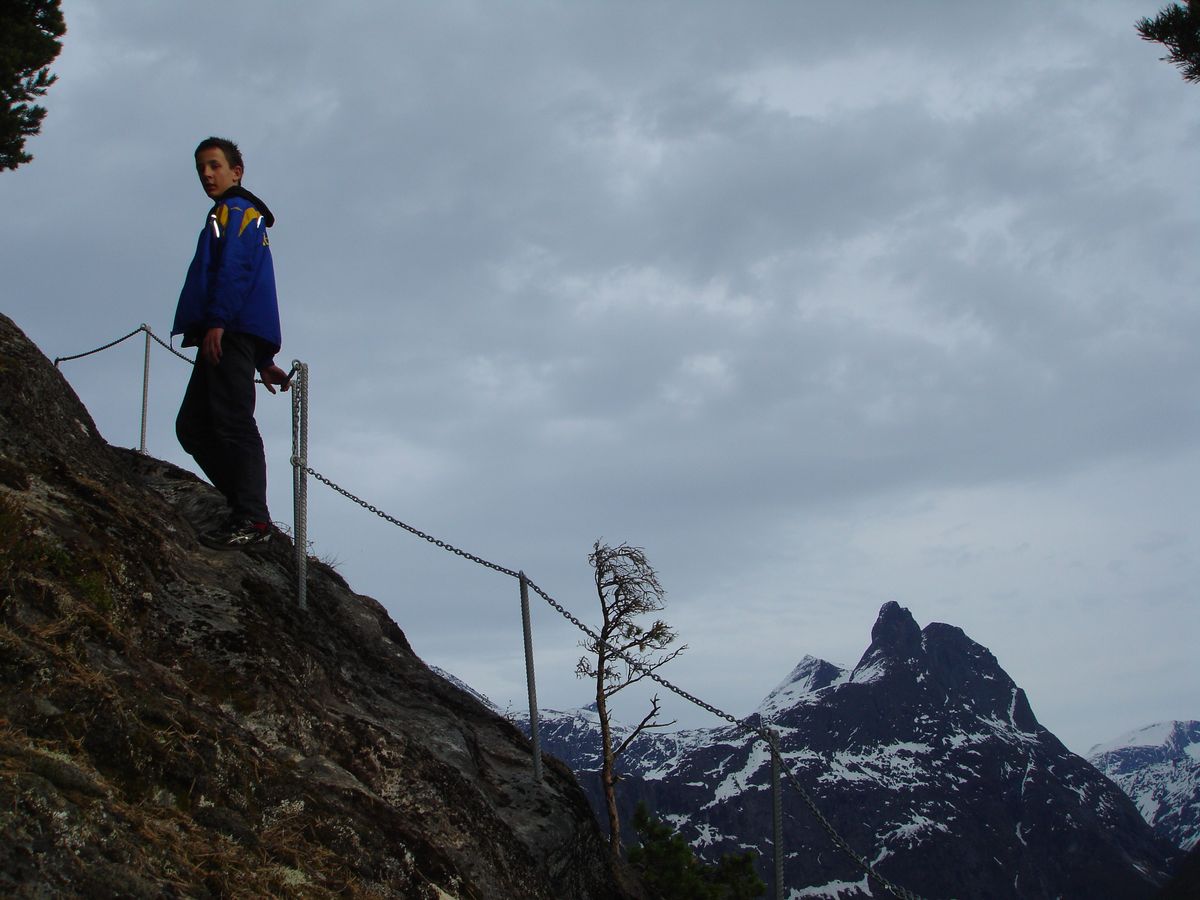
column 671, row 871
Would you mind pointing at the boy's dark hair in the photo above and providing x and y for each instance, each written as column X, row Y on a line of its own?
column 233, row 155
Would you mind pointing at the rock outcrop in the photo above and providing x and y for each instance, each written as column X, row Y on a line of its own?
column 172, row 725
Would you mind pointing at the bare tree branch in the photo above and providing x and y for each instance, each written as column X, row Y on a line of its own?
column 646, row 723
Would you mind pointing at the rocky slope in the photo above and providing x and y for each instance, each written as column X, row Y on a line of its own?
column 925, row 756
column 1159, row 768
column 172, row 725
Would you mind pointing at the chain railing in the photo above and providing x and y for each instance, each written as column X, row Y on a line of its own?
column 62, row 359
column 745, row 725
column 299, row 460
column 150, row 335
column 145, row 370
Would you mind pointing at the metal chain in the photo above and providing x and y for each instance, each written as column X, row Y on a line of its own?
column 838, row 841
column 760, row 731
column 164, row 344
column 192, row 362
column 409, row 528
column 186, row 359
column 638, row 666
column 563, row 611
column 59, row 359
column 143, row 327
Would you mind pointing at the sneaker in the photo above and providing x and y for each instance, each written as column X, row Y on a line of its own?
column 237, row 535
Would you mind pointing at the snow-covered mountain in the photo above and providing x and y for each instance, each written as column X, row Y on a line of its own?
column 925, row 757
column 1159, row 768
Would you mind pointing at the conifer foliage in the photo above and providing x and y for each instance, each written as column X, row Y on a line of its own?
column 30, row 39
column 670, row 870
column 1177, row 28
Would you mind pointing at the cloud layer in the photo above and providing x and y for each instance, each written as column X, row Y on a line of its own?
column 824, row 305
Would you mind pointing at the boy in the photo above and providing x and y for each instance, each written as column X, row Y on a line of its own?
column 228, row 309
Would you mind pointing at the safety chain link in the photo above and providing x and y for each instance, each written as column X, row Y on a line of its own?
column 186, row 359
column 409, row 528
column 59, row 359
column 161, row 343
column 840, row 842
column 744, row 725
column 563, row 611
column 638, row 666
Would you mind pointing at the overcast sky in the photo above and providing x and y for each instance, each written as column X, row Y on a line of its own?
column 822, row 304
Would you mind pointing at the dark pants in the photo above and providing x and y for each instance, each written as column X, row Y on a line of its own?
column 216, row 426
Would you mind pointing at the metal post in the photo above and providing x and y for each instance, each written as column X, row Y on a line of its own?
column 145, row 386
column 300, row 477
column 529, row 677
column 777, row 803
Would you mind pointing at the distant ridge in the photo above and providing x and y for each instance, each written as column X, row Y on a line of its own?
column 925, row 755
column 1158, row 766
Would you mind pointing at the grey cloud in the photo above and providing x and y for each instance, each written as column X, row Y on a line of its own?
column 749, row 287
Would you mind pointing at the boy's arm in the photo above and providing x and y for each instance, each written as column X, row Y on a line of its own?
column 241, row 246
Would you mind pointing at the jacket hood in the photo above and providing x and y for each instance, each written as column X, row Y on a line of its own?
column 238, row 191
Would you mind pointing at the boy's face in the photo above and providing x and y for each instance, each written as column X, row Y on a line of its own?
column 216, row 177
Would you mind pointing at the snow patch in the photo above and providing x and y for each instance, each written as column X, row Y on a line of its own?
column 707, row 836
column 893, row 766
column 737, row 783
column 1155, row 735
column 910, row 830
column 868, row 672
column 803, row 685
column 834, row 890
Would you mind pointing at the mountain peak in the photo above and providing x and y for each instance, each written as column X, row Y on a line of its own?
column 895, row 640
column 926, row 756
column 1175, row 738
column 808, row 677
column 895, row 630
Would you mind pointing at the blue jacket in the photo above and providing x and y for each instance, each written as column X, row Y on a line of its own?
column 231, row 281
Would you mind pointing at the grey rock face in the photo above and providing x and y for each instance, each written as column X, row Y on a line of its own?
column 172, row 725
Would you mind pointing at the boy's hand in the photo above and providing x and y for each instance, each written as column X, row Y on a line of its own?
column 210, row 347
column 273, row 375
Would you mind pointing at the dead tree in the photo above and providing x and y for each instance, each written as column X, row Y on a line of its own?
column 625, row 653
